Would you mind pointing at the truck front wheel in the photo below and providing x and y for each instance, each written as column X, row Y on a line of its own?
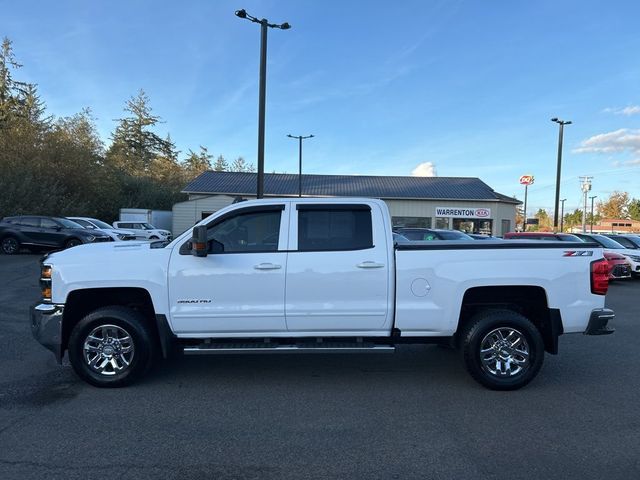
column 111, row 347
column 502, row 349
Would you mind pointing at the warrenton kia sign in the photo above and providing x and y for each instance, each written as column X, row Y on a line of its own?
column 461, row 212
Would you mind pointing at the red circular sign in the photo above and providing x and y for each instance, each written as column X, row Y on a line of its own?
column 526, row 179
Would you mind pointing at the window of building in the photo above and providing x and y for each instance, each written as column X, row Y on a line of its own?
column 442, row 222
column 340, row 228
column 411, row 222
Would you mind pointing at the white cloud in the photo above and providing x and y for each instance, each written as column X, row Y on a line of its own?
column 425, row 169
column 628, row 111
column 624, row 140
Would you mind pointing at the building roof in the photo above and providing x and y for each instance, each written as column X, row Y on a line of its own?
column 283, row 184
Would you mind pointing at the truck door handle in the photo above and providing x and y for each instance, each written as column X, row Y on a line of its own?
column 370, row 265
column 267, row 266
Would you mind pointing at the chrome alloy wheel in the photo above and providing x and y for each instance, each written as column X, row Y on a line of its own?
column 108, row 349
column 504, row 352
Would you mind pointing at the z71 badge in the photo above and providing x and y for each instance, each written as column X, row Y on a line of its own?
column 578, row 253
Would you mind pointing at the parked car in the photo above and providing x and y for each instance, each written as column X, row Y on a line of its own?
column 633, row 256
column 631, row 242
column 554, row 237
column 220, row 288
column 619, row 267
column 144, row 231
column 48, row 232
column 479, row 236
column 399, row 238
column 418, row 234
column 95, row 224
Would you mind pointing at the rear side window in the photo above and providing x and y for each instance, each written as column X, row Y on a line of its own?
column 340, row 227
column 125, row 225
column 30, row 222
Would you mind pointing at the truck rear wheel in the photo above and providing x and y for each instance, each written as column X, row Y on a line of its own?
column 111, row 347
column 502, row 349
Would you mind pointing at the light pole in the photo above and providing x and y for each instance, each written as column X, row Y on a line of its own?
column 300, row 139
column 592, row 198
column 562, row 215
column 585, row 185
column 264, row 26
column 562, row 123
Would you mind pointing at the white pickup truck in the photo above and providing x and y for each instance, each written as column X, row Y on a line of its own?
column 316, row 276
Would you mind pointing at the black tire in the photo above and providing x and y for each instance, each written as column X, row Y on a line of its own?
column 115, row 319
column 487, row 330
column 10, row 245
column 74, row 242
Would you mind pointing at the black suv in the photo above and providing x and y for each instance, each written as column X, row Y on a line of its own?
column 49, row 232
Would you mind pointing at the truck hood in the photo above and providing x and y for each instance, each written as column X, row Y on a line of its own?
column 98, row 252
column 131, row 264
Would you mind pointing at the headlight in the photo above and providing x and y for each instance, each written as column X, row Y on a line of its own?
column 635, row 258
column 120, row 236
column 90, row 238
column 45, row 282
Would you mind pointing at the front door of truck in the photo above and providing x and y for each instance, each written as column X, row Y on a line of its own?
column 338, row 271
column 238, row 288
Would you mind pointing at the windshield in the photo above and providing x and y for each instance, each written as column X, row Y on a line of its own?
column 634, row 240
column 66, row 223
column 100, row 224
column 147, row 226
column 606, row 242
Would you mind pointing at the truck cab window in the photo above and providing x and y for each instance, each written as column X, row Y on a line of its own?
column 249, row 232
column 334, row 229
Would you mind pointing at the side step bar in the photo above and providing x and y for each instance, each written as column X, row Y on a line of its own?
column 226, row 349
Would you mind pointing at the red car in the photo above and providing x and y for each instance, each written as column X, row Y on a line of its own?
column 618, row 266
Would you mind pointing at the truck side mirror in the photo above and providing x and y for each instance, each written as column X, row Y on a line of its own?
column 199, row 244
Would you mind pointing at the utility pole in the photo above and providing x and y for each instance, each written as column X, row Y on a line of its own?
column 562, row 215
column 585, row 185
column 300, row 139
column 595, row 196
column 264, row 26
column 562, row 123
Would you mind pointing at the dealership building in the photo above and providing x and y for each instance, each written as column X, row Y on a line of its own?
column 459, row 203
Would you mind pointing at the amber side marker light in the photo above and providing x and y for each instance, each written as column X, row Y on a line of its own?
column 45, row 282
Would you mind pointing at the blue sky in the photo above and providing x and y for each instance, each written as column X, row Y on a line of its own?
column 469, row 86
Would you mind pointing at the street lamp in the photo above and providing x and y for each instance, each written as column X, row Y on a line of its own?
column 592, row 198
column 264, row 26
column 300, row 139
column 562, row 215
column 562, row 123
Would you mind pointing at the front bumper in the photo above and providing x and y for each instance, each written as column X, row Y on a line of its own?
column 599, row 322
column 46, row 327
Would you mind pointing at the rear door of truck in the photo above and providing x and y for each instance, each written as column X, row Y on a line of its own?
column 338, row 270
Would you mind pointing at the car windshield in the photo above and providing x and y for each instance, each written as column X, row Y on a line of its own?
column 607, row 242
column 100, row 223
column 147, row 226
column 66, row 223
column 634, row 240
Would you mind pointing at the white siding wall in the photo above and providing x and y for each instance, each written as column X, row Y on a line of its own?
column 186, row 214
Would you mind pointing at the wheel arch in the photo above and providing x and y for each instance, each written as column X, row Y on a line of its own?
column 528, row 300
column 83, row 301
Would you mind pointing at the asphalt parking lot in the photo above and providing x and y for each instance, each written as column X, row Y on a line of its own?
column 415, row 414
